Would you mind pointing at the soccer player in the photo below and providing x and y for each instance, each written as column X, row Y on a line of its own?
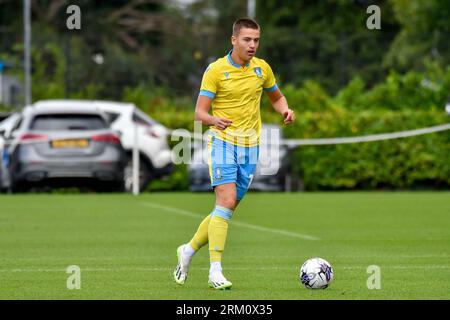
column 232, row 86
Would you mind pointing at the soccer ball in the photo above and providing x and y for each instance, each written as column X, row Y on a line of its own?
column 316, row 273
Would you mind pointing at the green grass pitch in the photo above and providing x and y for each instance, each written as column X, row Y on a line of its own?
column 126, row 246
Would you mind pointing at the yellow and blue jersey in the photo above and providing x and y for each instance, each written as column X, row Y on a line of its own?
column 236, row 92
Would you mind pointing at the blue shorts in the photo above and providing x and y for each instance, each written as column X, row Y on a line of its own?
column 229, row 163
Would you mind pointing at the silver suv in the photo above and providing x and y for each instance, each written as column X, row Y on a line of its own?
column 155, row 156
column 64, row 146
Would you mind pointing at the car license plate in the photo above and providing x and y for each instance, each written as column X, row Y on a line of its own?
column 74, row 143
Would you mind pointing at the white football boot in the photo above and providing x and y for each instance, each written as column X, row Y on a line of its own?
column 218, row 282
column 180, row 273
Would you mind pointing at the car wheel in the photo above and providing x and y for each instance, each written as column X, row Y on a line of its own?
column 144, row 175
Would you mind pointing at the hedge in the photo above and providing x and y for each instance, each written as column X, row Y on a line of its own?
column 402, row 102
column 406, row 163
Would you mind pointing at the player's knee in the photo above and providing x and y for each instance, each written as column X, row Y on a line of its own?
column 226, row 197
column 228, row 202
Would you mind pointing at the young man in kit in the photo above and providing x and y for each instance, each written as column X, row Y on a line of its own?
column 232, row 86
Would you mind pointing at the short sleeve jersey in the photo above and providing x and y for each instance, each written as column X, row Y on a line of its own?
column 236, row 92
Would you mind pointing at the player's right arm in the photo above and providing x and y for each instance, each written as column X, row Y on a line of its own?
column 202, row 114
column 207, row 93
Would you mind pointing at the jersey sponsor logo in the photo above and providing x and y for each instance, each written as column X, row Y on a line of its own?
column 258, row 71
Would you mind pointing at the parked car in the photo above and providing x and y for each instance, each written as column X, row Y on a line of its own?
column 8, row 124
column 62, row 145
column 275, row 163
column 4, row 115
column 2, row 170
column 6, row 127
column 152, row 137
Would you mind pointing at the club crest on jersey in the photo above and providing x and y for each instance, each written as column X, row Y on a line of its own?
column 226, row 75
column 258, row 71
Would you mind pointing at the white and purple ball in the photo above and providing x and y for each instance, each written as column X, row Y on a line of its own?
column 316, row 273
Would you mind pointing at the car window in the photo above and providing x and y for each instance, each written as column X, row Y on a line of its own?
column 142, row 118
column 112, row 116
column 63, row 122
column 3, row 116
column 17, row 125
column 9, row 122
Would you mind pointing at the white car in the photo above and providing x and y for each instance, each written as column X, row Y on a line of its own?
column 152, row 137
column 2, row 166
column 8, row 124
column 6, row 127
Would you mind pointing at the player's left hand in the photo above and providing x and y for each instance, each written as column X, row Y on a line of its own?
column 289, row 116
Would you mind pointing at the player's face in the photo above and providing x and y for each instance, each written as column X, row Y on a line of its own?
column 246, row 43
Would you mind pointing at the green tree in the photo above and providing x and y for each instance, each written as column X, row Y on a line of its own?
column 425, row 30
column 137, row 42
column 326, row 41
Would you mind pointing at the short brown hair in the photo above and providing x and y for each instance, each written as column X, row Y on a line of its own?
column 244, row 23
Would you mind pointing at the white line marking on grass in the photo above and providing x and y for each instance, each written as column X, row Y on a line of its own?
column 109, row 258
column 398, row 267
column 125, row 269
column 158, row 269
column 167, row 296
column 395, row 256
column 237, row 223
